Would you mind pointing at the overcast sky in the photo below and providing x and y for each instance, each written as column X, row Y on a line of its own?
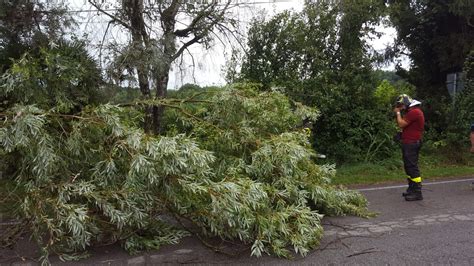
column 209, row 64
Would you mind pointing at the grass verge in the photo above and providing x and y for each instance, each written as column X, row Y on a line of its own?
column 433, row 166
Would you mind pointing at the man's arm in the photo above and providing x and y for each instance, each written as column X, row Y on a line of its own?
column 400, row 121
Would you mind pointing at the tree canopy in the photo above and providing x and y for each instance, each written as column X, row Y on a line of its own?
column 27, row 25
column 162, row 32
column 438, row 36
column 321, row 57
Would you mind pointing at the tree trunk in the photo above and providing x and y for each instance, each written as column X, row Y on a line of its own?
column 145, row 90
column 140, row 38
column 158, row 111
column 168, row 19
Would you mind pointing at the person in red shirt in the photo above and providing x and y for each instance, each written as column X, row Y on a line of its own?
column 412, row 123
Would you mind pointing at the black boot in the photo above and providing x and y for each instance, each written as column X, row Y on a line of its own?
column 415, row 194
column 409, row 189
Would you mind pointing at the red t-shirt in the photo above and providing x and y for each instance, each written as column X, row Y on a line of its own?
column 413, row 132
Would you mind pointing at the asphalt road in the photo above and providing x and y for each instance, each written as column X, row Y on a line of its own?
column 436, row 231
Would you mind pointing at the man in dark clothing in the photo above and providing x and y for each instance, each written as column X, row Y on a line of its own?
column 412, row 124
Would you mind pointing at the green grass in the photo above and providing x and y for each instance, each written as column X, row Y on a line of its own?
column 432, row 166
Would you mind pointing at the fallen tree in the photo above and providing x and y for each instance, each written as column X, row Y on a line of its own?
column 235, row 162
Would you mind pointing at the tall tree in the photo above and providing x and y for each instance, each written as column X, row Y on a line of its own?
column 161, row 32
column 325, row 43
column 438, row 35
column 321, row 57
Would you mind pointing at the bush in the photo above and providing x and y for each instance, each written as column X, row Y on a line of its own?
column 449, row 120
column 62, row 76
column 463, row 112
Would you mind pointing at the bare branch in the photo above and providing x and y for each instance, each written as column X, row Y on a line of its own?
column 214, row 21
column 185, row 46
column 102, row 42
column 226, row 29
column 114, row 18
column 181, row 68
column 194, row 65
column 200, row 17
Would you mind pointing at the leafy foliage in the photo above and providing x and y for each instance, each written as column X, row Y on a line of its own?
column 62, row 75
column 320, row 57
column 27, row 25
column 461, row 115
column 235, row 162
column 386, row 92
column 438, row 35
column 240, row 168
column 465, row 101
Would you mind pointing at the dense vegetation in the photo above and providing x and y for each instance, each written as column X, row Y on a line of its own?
column 439, row 36
column 237, row 165
column 325, row 62
column 321, row 57
column 93, row 157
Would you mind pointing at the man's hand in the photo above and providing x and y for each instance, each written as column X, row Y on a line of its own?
column 400, row 121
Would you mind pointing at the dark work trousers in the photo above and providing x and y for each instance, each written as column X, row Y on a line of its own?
column 410, row 159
